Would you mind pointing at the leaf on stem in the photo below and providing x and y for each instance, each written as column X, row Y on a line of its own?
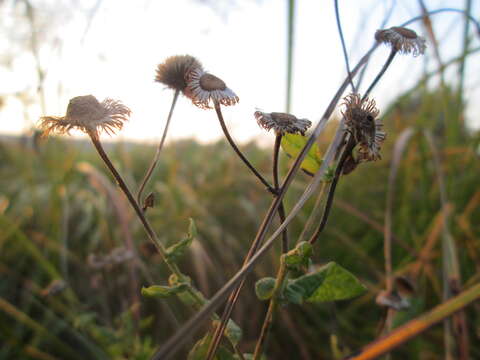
column 331, row 282
column 292, row 144
column 177, row 250
column 161, row 291
column 200, row 350
column 264, row 288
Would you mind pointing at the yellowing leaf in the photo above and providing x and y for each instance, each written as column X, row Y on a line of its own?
column 292, row 144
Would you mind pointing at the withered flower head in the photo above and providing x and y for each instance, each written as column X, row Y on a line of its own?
column 362, row 123
column 174, row 71
column 404, row 40
column 392, row 300
column 282, row 123
column 204, row 88
column 87, row 114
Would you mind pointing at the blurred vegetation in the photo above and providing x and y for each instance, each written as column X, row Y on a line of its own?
column 74, row 257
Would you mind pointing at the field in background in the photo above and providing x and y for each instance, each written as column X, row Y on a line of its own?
column 74, row 258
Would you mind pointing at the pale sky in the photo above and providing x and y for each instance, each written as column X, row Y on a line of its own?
column 242, row 41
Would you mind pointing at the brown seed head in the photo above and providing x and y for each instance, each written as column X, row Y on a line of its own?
column 361, row 121
column 204, row 88
column 282, row 123
column 401, row 39
column 87, row 114
column 174, row 71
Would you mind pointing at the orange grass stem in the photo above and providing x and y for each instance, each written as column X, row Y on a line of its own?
column 417, row 326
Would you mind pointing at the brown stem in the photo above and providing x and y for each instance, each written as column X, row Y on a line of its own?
column 331, row 193
column 281, row 208
column 418, row 325
column 237, row 150
column 159, row 150
column 235, row 284
column 381, row 73
column 267, row 323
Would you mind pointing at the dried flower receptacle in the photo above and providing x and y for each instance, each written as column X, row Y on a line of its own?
column 204, row 88
column 282, row 123
column 174, row 71
column 87, row 114
column 401, row 39
column 361, row 121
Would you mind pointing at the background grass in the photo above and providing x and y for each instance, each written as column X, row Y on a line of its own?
column 59, row 207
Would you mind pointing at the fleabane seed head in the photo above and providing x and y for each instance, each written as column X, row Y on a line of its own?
column 87, row 114
column 401, row 39
column 204, row 89
column 174, row 71
column 361, row 121
column 282, row 123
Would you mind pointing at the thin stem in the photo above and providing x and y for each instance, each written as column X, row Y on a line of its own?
column 267, row 323
column 235, row 284
column 200, row 301
column 281, row 208
column 237, row 150
column 151, row 234
column 344, row 48
column 232, row 299
column 381, row 73
column 290, row 41
column 159, row 149
column 331, row 192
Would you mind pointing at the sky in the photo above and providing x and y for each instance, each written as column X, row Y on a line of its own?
column 111, row 48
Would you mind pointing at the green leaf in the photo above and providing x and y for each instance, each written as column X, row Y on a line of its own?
column 177, row 250
column 331, row 282
column 264, row 288
column 292, row 144
column 294, row 294
column 163, row 291
column 299, row 255
column 233, row 332
column 199, row 351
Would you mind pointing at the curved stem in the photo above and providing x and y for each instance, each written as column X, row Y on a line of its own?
column 267, row 323
column 159, row 150
column 328, row 205
column 344, row 48
column 381, row 73
column 281, row 208
column 237, row 150
column 151, row 234
column 235, row 284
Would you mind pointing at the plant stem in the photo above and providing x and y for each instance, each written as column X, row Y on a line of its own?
column 267, row 323
column 290, row 44
column 235, row 284
column 159, row 149
column 331, row 192
column 380, row 74
column 281, row 208
column 416, row 326
column 344, row 48
column 237, row 150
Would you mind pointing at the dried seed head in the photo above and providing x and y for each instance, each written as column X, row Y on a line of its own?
column 392, row 300
column 360, row 118
column 404, row 40
column 282, row 123
column 203, row 88
column 87, row 114
column 174, row 71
